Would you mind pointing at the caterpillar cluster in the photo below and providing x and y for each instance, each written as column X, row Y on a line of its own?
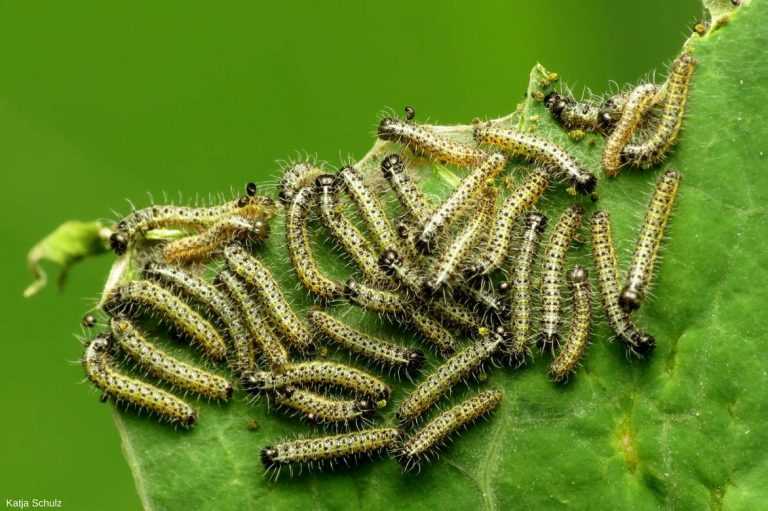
column 436, row 269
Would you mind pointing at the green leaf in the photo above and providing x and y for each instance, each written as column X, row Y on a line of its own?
column 68, row 244
column 684, row 430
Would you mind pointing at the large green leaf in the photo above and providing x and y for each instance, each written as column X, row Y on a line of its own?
column 683, row 430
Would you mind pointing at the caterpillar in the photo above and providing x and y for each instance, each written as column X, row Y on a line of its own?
column 552, row 266
column 249, row 206
column 262, row 333
column 294, row 178
column 382, row 353
column 408, row 193
column 100, row 370
column 448, row 268
column 520, row 287
column 425, row 442
column 499, row 243
column 161, row 365
column 640, row 272
column 541, row 151
column 369, row 206
column 320, row 373
column 461, row 198
column 578, row 338
column 300, row 250
column 347, row 448
column 275, row 305
column 215, row 301
column 165, row 304
column 604, row 256
column 664, row 135
column 319, row 409
column 423, row 141
column 374, row 300
column 201, row 247
column 344, row 231
column 454, row 370
column 432, row 331
column 572, row 114
column 639, row 102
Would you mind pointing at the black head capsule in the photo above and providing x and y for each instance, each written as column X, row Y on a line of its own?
column 556, row 104
column 88, row 321
column 644, row 344
column 630, row 299
column 416, row 361
column 118, row 242
column 586, row 184
column 391, row 164
column 268, row 455
column 403, row 230
column 366, row 407
column 388, row 260
column 325, row 182
column 410, row 113
column 351, row 289
column 251, row 189
column 388, row 129
column 504, row 287
column 578, row 275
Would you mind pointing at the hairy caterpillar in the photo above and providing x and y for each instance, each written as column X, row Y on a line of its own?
column 369, row 206
column 222, row 307
column 99, row 367
column 375, row 300
column 319, row 409
column 447, row 267
column 165, row 304
column 347, row 448
column 604, row 256
column 408, row 193
column 163, row 366
column 461, row 198
column 539, row 150
column 250, row 206
column 425, row 442
column 572, row 114
column 552, row 266
column 200, row 247
column 376, row 350
column 454, row 370
column 262, row 333
column 424, row 141
column 432, row 331
column 275, row 305
column 300, row 250
column 344, row 231
column 499, row 243
column 655, row 147
column 320, row 373
column 640, row 271
column 294, row 178
column 520, row 287
column 578, row 338
column 639, row 102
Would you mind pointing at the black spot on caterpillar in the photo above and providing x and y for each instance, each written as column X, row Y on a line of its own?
column 129, row 340
column 201, row 247
column 427, row 441
column 300, row 251
column 161, row 302
column 640, row 272
column 459, row 200
column 262, row 333
column 369, row 206
column 639, row 102
column 320, row 374
column 250, row 206
column 577, row 340
column 454, row 370
column 552, row 273
column 541, row 151
column 663, row 137
column 604, row 255
column 518, row 345
column 423, row 141
column 99, row 367
column 319, row 409
column 214, row 301
column 499, row 243
column 274, row 302
column 346, row 448
column 344, row 231
column 380, row 352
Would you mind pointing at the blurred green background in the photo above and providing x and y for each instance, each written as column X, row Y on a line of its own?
column 102, row 102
